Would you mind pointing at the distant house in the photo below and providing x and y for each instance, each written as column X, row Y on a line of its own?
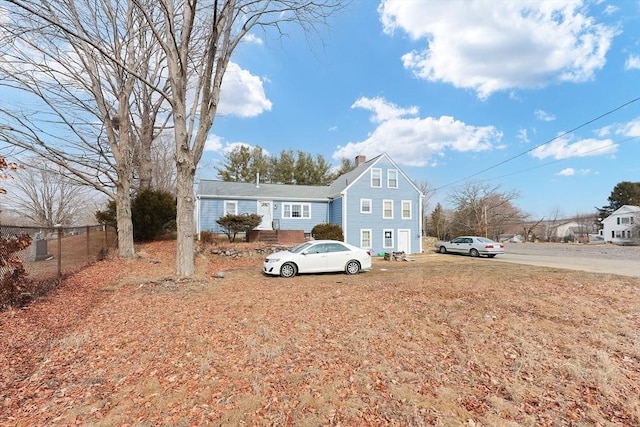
column 622, row 226
column 376, row 204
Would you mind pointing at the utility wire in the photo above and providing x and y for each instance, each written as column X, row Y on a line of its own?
column 613, row 144
column 541, row 144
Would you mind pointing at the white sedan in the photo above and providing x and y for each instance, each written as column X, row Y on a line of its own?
column 472, row 245
column 318, row 256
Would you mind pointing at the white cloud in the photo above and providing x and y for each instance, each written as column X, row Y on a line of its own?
column 383, row 110
column 572, row 171
column 632, row 63
column 544, row 116
column 567, row 172
column 414, row 141
column 563, row 148
column 213, row 143
column 523, row 135
column 252, row 39
column 242, row 93
column 630, row 129
column 491, row 46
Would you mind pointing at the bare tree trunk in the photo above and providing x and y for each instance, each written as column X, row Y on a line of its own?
column 185, row 264
column 123, row 218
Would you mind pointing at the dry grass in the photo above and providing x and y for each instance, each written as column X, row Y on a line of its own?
column 441, row 341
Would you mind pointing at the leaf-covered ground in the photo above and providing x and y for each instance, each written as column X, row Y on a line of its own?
column 437, row 340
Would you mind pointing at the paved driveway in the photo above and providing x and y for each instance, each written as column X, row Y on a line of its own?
column 623, row 260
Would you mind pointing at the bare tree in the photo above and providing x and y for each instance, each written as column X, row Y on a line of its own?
column 46, row 197
column 163, row 170
column 81, row 65
column 197, row 39
column 482, row 210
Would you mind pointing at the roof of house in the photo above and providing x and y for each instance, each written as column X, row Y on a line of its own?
column 344, row 180
column 240, row 190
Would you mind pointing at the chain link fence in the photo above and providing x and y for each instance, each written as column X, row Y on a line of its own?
column 59, row 251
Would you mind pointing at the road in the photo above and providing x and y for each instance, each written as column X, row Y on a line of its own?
column 622, row 260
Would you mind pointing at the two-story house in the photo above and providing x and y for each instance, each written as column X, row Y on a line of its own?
column 622, row 226
column 376, row 204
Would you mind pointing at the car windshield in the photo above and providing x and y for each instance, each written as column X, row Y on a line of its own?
column 300, row 248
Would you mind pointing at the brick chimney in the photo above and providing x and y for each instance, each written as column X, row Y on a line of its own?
column 360, row 160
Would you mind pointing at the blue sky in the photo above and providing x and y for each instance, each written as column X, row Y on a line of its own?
column 453, row 91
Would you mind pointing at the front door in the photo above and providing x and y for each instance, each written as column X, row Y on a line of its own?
column 265, row 209
column 404, row 241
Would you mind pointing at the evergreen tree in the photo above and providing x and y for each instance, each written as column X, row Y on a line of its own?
column 624, row 193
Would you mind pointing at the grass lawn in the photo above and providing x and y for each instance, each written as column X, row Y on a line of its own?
column 437, row 340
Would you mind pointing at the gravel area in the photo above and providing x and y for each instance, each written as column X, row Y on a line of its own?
column 599, row 251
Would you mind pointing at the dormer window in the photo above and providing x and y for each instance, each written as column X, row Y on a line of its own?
column 376, row 178
column 392, row 178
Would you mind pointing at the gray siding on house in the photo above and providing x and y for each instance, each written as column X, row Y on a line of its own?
column 319, row 215
column 339, row 203
column 374, row 221
column 335, row 211
column 213, row 209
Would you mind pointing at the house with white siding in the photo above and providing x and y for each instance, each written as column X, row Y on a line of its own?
column 377, row 205
column 622, row 226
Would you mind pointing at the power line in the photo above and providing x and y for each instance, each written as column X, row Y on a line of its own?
column 624, row 141
column 541, row 144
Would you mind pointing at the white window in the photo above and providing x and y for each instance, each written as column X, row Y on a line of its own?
column 392, row 178
column 387, row 209
column 376, row 178
column 406, row 209
column 365, row 206
column 230, row 207
column 296, row 210
column 365, row 239
column 388, row 238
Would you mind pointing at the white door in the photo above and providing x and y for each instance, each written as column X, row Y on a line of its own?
column 404, row 241
column 265, row 209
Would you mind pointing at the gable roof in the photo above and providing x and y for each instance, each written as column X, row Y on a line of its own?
column 247, row 190
column 345, row 180
column 626, row 209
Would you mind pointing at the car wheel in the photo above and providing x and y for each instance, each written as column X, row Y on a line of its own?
column 353, row 267
column 442, row 250
column 491, row 255
column 474, row 253
column 288, row 270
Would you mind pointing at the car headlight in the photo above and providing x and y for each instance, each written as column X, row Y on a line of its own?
column 269, row 260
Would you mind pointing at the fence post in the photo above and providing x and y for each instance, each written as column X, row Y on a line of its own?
column 59, row 251
column 88, row 246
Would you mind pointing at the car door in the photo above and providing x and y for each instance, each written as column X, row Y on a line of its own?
column 337, row 256
column 313, row 259
column 457, row 245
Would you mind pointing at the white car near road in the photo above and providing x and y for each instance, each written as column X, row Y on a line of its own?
column 318, row 256
column 471, row 245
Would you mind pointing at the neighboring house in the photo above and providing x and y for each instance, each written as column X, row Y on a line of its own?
column 622, row 226
column 573, row 231
column 376, row 204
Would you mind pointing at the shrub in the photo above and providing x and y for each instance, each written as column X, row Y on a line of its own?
column 108, row 216
column 327, row 231
column 234, row 224
column 208, row 237
column 152, row 212
column 13, row 277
